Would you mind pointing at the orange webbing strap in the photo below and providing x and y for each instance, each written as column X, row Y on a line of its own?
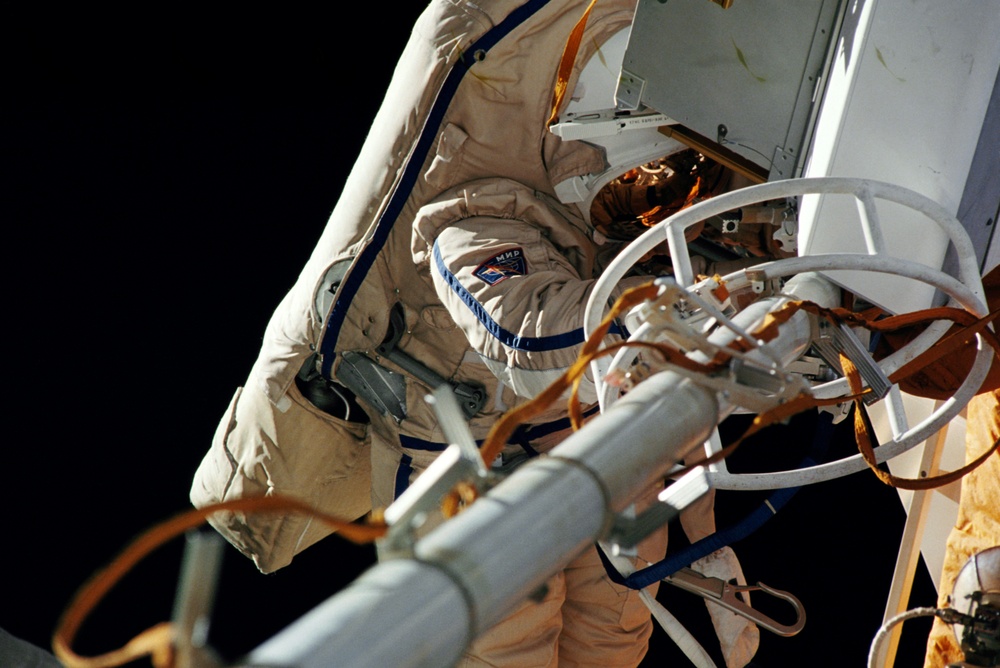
column 969, row 324
column 950, row 343
column 504, row 427
column 156, row 641
column 862, row 434
column 566, row 64
column 572, row 377
column 779, row 413
column 767, row 331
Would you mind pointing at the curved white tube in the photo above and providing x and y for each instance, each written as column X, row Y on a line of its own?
column 864, row 191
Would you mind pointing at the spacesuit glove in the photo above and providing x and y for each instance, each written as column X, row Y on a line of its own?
column 738, row 636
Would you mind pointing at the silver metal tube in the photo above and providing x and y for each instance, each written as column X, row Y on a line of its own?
column 399, row 613
column 526, row 529
column 473, row 570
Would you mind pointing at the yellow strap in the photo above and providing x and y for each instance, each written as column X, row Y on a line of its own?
column 968, row 326
column 779, row 413
column 566, row 64
column 155, row 642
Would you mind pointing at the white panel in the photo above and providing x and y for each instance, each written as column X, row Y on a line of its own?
column 750, row 68
column 905, row 102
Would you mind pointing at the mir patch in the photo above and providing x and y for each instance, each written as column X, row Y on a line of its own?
column 502, row 265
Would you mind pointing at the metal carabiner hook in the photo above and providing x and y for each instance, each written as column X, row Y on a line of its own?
column 725, row 594
column 763, row 621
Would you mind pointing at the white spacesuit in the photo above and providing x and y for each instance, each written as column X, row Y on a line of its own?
column 448, row 259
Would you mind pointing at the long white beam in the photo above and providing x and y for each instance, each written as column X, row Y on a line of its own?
column 473, row 570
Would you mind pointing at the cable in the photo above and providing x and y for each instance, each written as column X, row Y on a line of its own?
column 883, row 632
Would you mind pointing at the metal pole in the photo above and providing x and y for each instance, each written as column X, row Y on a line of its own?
column 473, row 570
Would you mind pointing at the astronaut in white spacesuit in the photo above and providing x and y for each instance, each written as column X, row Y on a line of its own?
column 448, row 259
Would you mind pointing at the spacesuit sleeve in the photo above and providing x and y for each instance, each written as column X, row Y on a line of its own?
column 517, row 288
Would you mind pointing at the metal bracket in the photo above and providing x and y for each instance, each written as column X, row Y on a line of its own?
column 471, row 398
column 460, row 462
column 599, row 125
column 627, row 532
column 788, row 231
column 836, row 339
column 678, row 315
column 628, row 96
column 382, row 388
column 194, row 601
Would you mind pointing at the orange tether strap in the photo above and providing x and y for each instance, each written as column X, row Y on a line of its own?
column 862, row 432
column 566, row 64
column 969, row 326
column 779, row 413
column 508, row 422
column 951, row 342
column 156, row 641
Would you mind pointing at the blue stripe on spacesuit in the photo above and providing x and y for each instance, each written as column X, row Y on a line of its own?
column 414, row 443
column 509, row 339
column 357, row 274
column 523, row 435
column 403, row 473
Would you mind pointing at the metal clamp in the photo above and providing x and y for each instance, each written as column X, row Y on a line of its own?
column 460, row 462
column 194, row 601
column 835, row 339
column 627, row 532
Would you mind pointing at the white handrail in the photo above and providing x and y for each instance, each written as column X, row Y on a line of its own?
column 965, row 291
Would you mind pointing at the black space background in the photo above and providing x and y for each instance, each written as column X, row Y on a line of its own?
column 165, row 176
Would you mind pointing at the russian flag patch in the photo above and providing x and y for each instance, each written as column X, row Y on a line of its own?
column 502, row 265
